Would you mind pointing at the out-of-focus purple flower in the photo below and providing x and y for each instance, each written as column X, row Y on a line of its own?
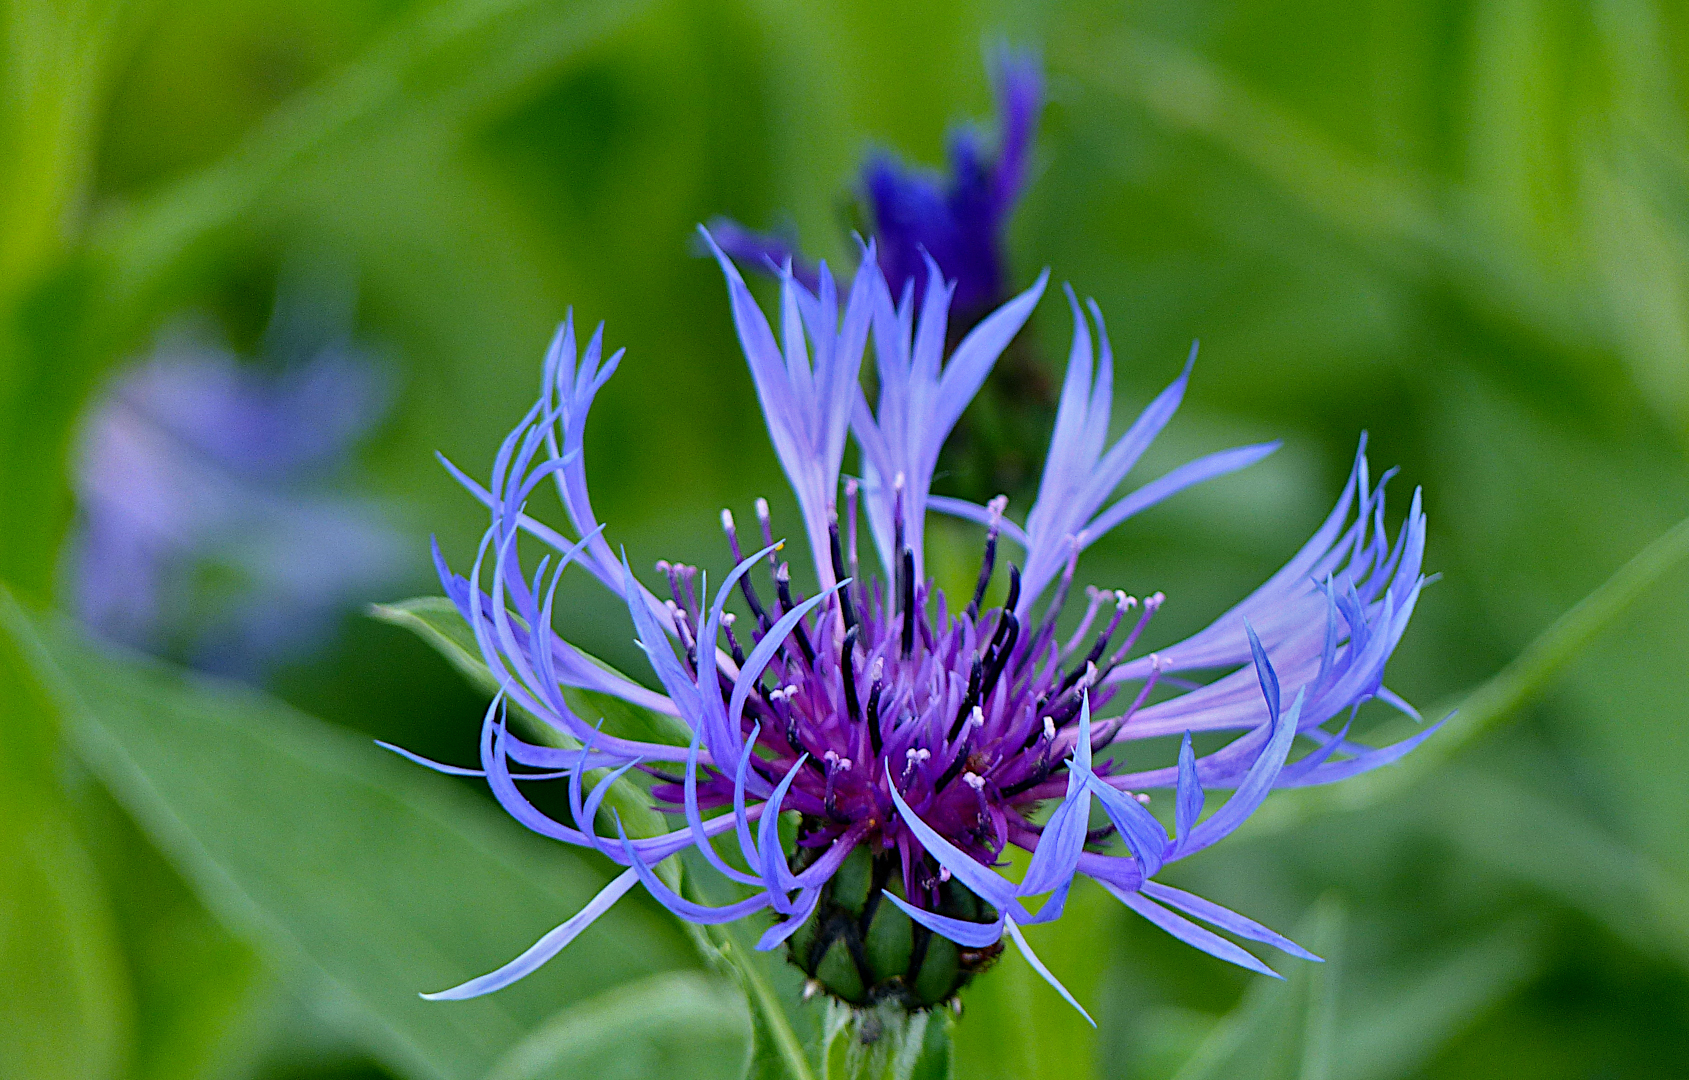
column 958, row 219
column 917, row 740
column 206, row 530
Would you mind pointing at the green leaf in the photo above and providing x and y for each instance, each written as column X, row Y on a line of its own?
column 1522, row 681
column 1281, row 1030
column 64, row 999
column 436, row 621
column 680, row 1024
column 786, row 1032
column 203, row 998
column 438, row 66
column 1549, row 844
column 388, row 879
column 1010, row 999
column 778, row 1052
column 1403, row 1024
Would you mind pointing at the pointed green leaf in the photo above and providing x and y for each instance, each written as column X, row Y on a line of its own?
column 388, row 879
column 64, row 1000
column 1281, row 1030
column 680, row 1024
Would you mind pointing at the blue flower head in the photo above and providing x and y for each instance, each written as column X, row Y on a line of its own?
column 915, row 739
column 958, row 220
column 196, row 467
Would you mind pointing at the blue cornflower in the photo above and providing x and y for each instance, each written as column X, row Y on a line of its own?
column 916, row 743
column 202, row 516
column 958, row 220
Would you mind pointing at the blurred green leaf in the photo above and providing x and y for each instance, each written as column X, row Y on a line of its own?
column 1403, row 1024
column 53, row 82
column 436, row 621
column 64, row 998
column 680, row 1024
column 388, row 879
column 1282, row 1030
column 1001, row 1006
column 447, row 59
column 203, row 998
column 1555, row 848
column 1522, row 681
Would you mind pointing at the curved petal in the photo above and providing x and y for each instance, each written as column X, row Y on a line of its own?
column 546, row 947
column 1190, row 933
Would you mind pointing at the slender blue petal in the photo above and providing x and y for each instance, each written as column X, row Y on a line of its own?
column 1187, row 807
column 1044, row 972
column 1190, row 933
column 546, row 947
column 989, row 886
column 973, row 935
column 1225, row 919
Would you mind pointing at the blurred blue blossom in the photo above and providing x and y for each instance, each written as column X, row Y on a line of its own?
column 208, row 529
column 918, row 740
column 959, row 219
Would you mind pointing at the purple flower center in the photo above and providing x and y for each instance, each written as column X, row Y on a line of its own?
column 972, row 716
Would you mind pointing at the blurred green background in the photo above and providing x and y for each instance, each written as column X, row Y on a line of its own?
column 1461, row 226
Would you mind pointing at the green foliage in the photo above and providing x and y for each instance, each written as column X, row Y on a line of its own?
column 64, row 1007
column 1460, row 225
column 388, row 880
column 680, row 1024
column 1281, row 1031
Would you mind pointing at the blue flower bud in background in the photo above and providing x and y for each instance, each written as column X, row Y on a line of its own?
column 207, row 529
column 958, row 219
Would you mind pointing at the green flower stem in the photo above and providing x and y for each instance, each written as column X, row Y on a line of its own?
column 731, row 947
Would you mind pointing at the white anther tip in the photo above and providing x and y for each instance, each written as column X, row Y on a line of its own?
column 727, row 520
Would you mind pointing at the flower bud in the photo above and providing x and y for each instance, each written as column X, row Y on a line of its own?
column 865, row 951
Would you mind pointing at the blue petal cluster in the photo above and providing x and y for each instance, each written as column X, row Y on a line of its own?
column 195, row 465
column 885, row 719
column 958, row 220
